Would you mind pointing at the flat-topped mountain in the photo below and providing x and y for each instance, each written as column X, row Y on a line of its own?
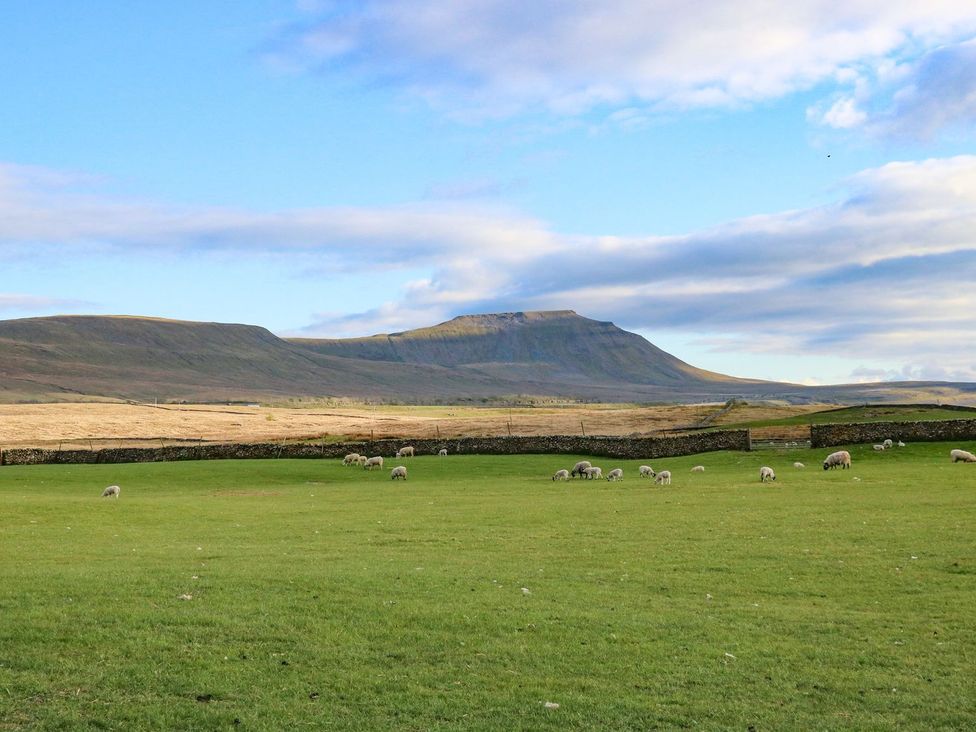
column 559, row 354
column 559, row 344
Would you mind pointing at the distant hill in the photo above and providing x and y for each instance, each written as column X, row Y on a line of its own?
column 558, row 354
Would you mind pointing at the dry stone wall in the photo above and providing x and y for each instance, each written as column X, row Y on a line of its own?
column 831, row 435
column 613, row 447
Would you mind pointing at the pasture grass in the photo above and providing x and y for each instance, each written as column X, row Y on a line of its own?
column 326, row 597
column 870, row 413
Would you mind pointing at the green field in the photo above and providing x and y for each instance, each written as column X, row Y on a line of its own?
column 872, row 413
column 329, row 598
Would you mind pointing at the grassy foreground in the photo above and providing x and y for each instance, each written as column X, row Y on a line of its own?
column 325, row 597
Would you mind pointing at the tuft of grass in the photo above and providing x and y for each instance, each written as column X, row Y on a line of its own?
column 324, row 597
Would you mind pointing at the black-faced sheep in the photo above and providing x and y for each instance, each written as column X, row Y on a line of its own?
column 840, row 458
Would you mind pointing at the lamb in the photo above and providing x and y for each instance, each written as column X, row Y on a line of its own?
column 112, row 490
column 698, row 469
column 579, row 468
column 663, row 478
column 880, row 448
column 901, row 444
column 398, row 472
column 361, row 460
column 615, row 475
column 561, row 475
column 766, row 473
column 373, row 462
column 799, row 466
column 887, row 443
column 646, row 471
column 961, row 456
column 351, row 458
column 405, row 452
column 442, row 452
column 841, row 458
column 593, row 472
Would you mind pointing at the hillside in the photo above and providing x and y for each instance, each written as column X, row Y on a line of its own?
column 557, row 354
column 558, row 345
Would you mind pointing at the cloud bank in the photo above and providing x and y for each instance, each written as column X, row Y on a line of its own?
column 504, row 57
column 885, row 272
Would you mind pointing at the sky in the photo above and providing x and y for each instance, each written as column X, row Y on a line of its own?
column 772, row 190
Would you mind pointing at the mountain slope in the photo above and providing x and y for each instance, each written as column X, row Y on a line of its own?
column 558, row 354
column 560, row 345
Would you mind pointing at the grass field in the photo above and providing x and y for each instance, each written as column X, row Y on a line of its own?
column 325, row 597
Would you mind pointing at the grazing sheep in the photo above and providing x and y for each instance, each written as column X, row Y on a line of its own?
column 887, row 443
column 561, row 475
column 361, row 460
column 579, row 468
column 698, row 469
column 766, row 473
column 961, row 456
column 112, row 490
column 880, row 448
column 442, row 452
column 405, row 452
column 615, row 475
column 373, row 462
column 799, row 466
column 398, row 472
column 646, row 471
column 841, row 458
column 663, row 478
column 901, row 444
column 351, row 458
column 593, row 472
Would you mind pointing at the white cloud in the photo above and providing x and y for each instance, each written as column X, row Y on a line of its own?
column 498, row 57
column 915, row 98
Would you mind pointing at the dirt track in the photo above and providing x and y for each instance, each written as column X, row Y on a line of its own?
column 101, row 424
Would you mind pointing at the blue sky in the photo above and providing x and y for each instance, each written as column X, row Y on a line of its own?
column 779, row 192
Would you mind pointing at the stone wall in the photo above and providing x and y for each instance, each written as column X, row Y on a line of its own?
column 831, row 435
column 613, row 447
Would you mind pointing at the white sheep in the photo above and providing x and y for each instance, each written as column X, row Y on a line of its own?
column 561, row 475
column 361, row 460
column 880, row 448
column 766, row 473
column 442, row 452
column 887, row 443
column 112, row 490
column 579, row 468
column 615, row 475
column 663, row 478
column 593, row 472
column 405, row 452
column 373, row 462
column 961, row 456
column 351, row 458
column 698, row 469
column 646, row 471
column 901, row 444
column 841, row 458
column 799, row 466
column 398, row 472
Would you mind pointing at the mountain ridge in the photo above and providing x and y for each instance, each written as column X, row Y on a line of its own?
column 474, row 357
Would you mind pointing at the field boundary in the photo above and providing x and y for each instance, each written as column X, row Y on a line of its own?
column 831, row 435
column 612, row 447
